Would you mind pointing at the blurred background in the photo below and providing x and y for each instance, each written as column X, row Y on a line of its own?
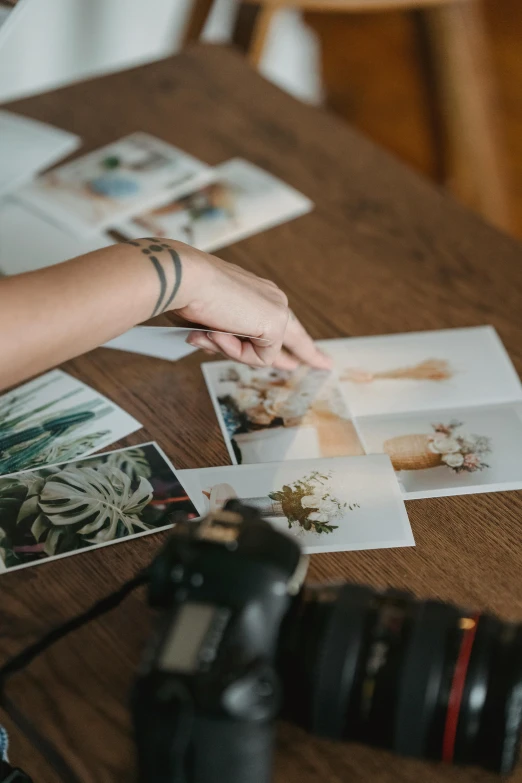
column 436, row 82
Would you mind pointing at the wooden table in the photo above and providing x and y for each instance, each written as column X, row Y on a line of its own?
column 382, row 252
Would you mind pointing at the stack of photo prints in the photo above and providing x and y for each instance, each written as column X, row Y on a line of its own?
column 137, row 186
column 326, row 457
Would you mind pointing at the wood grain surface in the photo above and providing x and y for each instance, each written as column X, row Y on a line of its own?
column 382, row 252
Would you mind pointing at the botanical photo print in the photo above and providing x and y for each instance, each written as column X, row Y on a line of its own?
column 64, row 509
column 450, row 452
column 398, row 373
column 113, row 182
column 241, row 200
column 55, row 418
column 269, row 415
column 336, row 504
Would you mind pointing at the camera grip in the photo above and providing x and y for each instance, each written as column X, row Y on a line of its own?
column 231, row 751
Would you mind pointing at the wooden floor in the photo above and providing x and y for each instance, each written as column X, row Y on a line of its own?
column 372, row 67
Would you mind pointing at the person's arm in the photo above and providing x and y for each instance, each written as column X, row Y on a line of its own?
column 54, row 314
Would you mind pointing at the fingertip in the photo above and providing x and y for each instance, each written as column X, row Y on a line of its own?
column 286, row 363
column 322, row 361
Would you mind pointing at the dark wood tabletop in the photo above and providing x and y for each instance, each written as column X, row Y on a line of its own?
column 383, row 251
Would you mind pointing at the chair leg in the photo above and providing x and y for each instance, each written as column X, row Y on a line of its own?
column 198, row 15
column 251, row 29
column 459, row 47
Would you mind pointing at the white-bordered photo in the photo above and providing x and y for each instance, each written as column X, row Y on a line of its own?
column 241, row 200
column 269, row 415
column 113, row 182
column 55, row 418
column 330, row 505
column 450, row 452
column 451, row 368
column 69, row 508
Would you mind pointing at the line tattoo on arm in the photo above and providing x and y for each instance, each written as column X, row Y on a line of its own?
column 149, row 247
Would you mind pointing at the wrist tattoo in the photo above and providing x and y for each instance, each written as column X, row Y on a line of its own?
column 169, row 284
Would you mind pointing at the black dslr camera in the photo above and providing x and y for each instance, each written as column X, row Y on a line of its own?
column 240, row 641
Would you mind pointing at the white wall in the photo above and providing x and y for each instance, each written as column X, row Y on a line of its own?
column 59, row 41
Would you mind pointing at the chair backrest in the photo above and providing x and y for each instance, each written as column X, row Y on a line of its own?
column 200, row 9
column 349, row 5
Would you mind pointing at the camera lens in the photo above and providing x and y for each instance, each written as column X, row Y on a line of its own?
column 422, row 678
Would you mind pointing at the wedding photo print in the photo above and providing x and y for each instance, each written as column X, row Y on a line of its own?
column 63, row 509
column 111, row 183
column 331, row 505
column 55, row 418
column 269, row 415
column 241, row 200
column 451, row 368
column 454, row 452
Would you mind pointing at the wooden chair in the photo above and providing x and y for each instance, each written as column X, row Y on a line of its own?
column 458, row 59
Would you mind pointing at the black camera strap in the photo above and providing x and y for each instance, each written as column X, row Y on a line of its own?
column 10, row 774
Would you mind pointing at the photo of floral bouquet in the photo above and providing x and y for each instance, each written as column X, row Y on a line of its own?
column 457, row 451
column 267, row 415
column 306, row 503
column 445, row 447
column 331, row 505
column 309, row 504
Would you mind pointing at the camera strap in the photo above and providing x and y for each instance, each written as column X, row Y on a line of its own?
column 10, row 774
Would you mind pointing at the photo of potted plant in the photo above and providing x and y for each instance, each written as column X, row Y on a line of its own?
column 445, row 447
column 76, row 505
column 56, row 419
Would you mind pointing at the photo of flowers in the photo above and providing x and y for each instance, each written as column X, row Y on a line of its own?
column 440, row 453
column 239, row 200
column 55, row 418
column 309, row 504
column 330, row 504
column 444, row 406
column 422, row 371
column 112, row 183
column 269, row 415
column 447, row 446
column 63, row 509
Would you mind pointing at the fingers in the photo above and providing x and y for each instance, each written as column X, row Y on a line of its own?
column 228, row 345
column 300, row 348
column 200, row 340
column 300, row 344
column 236, row 349
column 286, row 362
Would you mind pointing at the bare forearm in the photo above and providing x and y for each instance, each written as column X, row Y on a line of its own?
column 51, row 315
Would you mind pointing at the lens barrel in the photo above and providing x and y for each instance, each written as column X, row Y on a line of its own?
column 421, row 678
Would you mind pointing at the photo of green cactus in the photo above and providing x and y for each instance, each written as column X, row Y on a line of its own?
column 55, row 418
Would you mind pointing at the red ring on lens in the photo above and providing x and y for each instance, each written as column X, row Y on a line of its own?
column 457, row 690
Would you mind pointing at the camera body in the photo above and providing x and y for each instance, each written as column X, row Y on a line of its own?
column 208, row 693
column 240, row 640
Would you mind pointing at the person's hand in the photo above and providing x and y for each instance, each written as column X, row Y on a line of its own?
column 225, row 297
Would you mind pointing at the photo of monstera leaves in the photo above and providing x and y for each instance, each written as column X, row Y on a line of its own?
column 62, row 509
